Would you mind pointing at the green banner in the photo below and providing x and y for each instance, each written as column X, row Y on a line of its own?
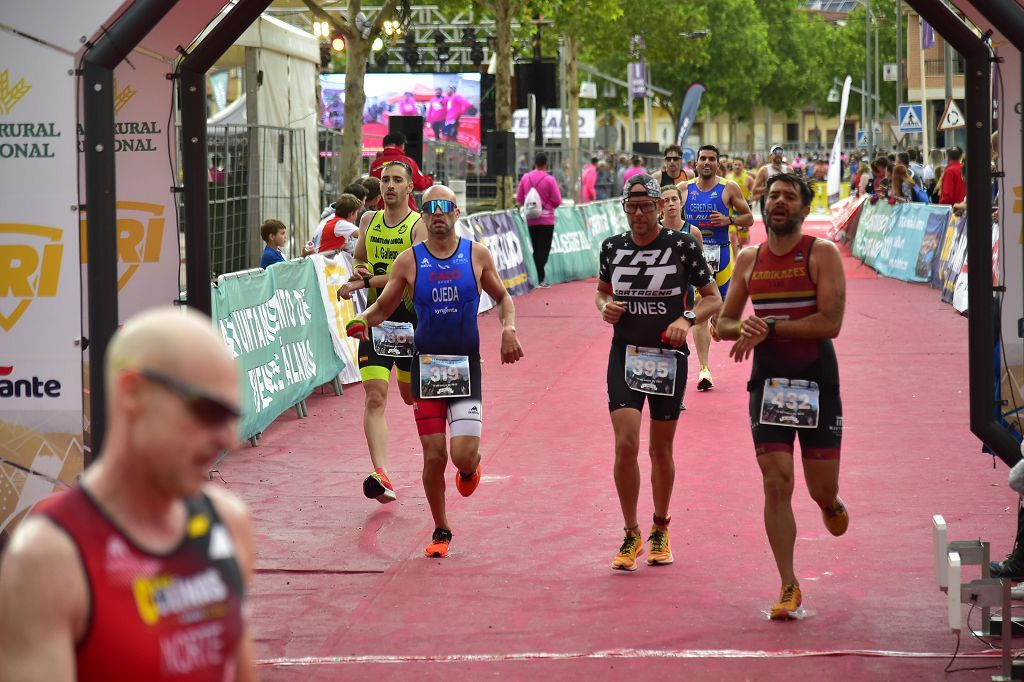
column 527, row 243
column 273, row 323
column 571, row 256
column 872, row 231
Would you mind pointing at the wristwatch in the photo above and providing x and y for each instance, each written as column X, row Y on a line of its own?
column 690, row 317
column 366, row 281
column 770, row 321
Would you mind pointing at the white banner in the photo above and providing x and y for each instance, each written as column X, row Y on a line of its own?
column 40, row 307
column 553, row 123
column 332, row 272
column 834, row 165
column 147, row 230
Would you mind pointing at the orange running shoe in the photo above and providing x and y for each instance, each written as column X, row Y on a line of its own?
column 377, row 486
column 661, row 549
column 465, row 485
column 836, row 517
column 788, row 603
column 438, row 547
column 632, row 547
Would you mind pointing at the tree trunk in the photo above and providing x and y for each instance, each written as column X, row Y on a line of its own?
column 358, row 52
column 572, row 82
column 503, row 12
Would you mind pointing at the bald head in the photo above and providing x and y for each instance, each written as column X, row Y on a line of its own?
column 438, row 192
column 170, row 340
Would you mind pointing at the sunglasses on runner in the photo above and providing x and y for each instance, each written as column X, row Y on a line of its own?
column 431, row 207
column 403, row 164
column 673, row 158
column 643, row 206
column 205, row 408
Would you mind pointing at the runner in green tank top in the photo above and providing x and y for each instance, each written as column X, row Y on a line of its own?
column 382, row 236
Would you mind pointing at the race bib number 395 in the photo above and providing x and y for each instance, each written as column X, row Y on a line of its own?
column 444, row 376
column 393, row 339
column 790, row 402
column 651, row 370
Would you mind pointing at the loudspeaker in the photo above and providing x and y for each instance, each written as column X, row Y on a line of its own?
column 540, row 79
column 412, row 128
column 501, row 153
column 647, row 148
column 488, row 102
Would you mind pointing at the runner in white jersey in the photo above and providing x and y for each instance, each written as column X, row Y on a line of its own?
column 769, row 170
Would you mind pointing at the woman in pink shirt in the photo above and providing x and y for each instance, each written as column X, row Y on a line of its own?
column 542, row 229
column 636, row 169
column 407, row 107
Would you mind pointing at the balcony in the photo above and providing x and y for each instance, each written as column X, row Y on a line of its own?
column 936, row 67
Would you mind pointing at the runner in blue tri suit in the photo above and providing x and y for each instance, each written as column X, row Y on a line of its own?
column 715, row 205
column 446, row 274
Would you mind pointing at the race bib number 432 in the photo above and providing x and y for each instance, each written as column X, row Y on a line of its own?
column 651, row 370
column 444, row 376
column 790, row 402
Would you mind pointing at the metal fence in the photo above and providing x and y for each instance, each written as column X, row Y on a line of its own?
column 256, row 173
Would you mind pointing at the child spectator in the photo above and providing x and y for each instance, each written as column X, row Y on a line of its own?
column 339, row 232
column 275, row 234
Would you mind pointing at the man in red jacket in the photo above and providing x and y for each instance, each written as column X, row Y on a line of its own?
column 953, row 188
column 394, row 150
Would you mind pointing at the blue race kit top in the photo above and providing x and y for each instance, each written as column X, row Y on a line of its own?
column 447, row 301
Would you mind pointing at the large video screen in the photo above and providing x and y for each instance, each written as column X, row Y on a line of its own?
column 448, row 102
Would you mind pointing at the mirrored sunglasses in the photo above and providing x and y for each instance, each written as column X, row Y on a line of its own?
column 432, row 206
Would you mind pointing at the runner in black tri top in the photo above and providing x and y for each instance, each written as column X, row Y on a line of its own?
column 798, row 289
column 644, row 276
column 673, row 173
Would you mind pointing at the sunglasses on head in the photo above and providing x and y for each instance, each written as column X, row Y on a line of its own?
column 403, row 164
column 205, row 408
column 432, row 206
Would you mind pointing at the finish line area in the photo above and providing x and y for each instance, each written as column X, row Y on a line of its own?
column 342, row 588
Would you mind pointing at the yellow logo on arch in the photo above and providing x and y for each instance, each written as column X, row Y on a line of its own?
column 29, row 268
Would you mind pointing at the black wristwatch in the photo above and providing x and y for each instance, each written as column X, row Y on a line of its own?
column 770, row 321
column 690, row 317
column 366, row 281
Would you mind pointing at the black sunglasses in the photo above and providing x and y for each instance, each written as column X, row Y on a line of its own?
column 673, row 158
column 205, row 408
column 403, row 164
column 431, row 207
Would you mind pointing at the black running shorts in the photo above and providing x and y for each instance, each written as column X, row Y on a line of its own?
column 663, row 407
column 822, row 442
column 375, row 366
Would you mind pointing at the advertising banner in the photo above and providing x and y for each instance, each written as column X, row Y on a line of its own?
column 845, row 216
column 331, row 273
column 953, row 257
column 497, row 231
column 909, row 247
column 527, row 243
column 872, row 230
column 147, row 230
column 40, row 297
column 552, row 119
column 274, row 326
column 688, row 112
column 571, row 256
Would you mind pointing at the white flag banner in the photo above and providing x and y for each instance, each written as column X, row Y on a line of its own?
column 332, row 272
column 834, row 166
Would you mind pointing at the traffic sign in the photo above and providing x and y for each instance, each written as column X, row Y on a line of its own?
column 897, row 134
column 911, row 118
column 951, row 117
column 862, row 139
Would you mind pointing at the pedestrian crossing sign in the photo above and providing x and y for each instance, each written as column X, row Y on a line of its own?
column 862, row 139
column 911, row 118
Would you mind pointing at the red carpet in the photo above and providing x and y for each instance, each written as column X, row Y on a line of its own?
column 343, row 591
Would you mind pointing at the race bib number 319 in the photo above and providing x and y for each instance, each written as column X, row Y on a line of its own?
column 790, row 402
column 444, row 376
